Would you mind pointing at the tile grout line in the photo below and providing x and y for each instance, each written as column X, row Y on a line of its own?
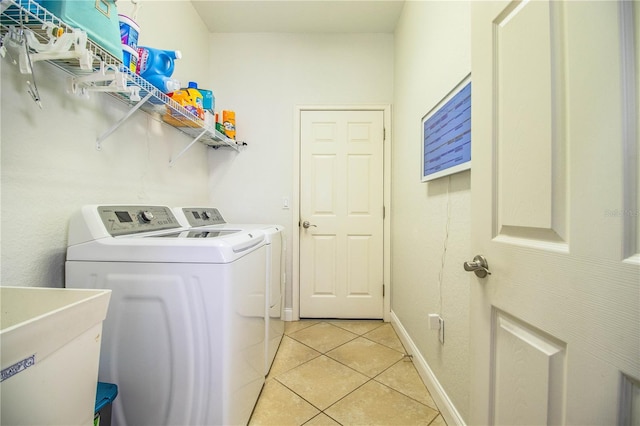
column 404, row 351
column 357, row 335
column 399, row 391
column 375, row 378
column 329, row 322
column 370, row 379
column 368, row 331
column 405, row 358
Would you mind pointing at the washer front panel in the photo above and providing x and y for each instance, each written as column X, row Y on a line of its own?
column 125, row 220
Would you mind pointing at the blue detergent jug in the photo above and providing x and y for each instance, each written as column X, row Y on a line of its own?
column 164, row 83
column 156, row 61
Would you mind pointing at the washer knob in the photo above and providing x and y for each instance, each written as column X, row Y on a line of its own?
column 206, row 215
column 146, row 216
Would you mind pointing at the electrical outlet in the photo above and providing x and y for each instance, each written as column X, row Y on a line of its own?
column 434, row 321
column 437, row 323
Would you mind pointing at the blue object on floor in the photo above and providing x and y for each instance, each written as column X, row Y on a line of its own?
column 105, row 395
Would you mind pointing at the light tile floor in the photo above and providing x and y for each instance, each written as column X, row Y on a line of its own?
column 347, row 373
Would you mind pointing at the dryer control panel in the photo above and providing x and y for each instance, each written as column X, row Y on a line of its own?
column 126, row 220
column 202, row 216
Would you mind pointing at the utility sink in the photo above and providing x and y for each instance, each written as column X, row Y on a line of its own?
column 50, row 349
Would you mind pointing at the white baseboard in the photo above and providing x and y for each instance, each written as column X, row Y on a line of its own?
column 288, row 315
column 440, row 397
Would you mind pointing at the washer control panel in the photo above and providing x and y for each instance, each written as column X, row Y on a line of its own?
column 125, row 220
column 202, row 216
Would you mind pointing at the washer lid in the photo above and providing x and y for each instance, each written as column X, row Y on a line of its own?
column 197, row 233
column 168, row 248
column 145, row 233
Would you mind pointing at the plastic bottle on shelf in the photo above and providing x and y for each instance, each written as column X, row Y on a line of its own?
column 229, row 123
column 156, row 61
column 164, row 83
column 190, row 99
column 208, row 100
column 219, row 125
column 194, row 92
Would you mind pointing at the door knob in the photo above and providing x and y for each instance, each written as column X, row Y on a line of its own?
column 479, row 265
column 306, row 224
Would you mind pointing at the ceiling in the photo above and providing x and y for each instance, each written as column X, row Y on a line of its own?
column 299, row 16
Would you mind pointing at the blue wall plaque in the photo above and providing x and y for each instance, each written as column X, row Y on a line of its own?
column 446, row 134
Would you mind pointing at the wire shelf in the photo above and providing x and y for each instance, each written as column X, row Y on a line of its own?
column 21, row 15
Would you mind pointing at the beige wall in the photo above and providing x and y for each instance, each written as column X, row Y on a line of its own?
column 50, row 165
column 432, row 54
column 263, row 77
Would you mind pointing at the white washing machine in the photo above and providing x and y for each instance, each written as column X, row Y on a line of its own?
column 211, row 218
column 184, row 334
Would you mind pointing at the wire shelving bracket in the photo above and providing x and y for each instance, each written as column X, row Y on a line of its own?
column 42, row 36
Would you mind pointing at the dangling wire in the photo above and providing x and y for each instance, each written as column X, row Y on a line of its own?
column 444, row 248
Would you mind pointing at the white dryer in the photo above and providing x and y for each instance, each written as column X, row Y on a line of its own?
column 184, row 334
column 211, row 218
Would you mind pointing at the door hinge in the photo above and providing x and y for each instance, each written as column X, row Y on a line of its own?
column 382, row 290
column 384, row 212
column 384, row 134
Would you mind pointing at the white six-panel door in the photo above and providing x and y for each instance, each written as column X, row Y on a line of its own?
column 341, row 198
column 556, row 327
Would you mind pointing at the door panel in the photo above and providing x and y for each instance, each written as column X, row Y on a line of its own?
column 556, row 327
column 359, row 168
column 524, row 146
column 358, row 258
column 323, row 195
column 632, row 110
column 530, row 144
column 324, row 265
column 630, row 39
column 529, row 367
column 341, row 196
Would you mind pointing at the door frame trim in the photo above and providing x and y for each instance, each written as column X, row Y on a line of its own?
column 294, row 313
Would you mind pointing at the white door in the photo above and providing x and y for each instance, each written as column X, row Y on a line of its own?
column 556, row 327
column 341, row 201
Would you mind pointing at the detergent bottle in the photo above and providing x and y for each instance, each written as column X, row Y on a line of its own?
column 190, row 99
column 164, row 83
column 208, row 100
column 192, row 88
column 156, row 61
column 229, row 123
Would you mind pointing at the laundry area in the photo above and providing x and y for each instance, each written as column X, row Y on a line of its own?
column 319, row 212
column 190, row 302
